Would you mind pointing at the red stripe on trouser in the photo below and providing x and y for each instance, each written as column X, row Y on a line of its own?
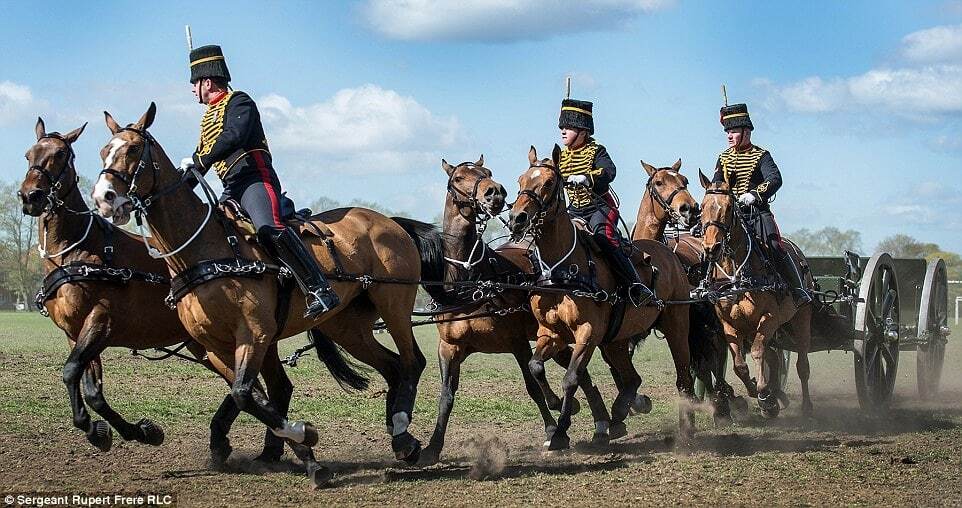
column 610, row 232
column 269, row 187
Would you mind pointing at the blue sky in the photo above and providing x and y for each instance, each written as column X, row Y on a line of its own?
column 860, row 102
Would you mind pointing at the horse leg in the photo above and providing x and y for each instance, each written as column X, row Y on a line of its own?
column 767, row 366
column 599, row 411
column 739, row 365
column 395, row 310
column 580, row 356
column 450, row 358
column 90, row 343
column 279, row 390
column 627, row 380
column 674, row 323
column 144, row 431
column 802, row 328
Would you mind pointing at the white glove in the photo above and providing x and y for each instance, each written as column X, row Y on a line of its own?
column 581, row 180
column 186, row 163
column 746, row 199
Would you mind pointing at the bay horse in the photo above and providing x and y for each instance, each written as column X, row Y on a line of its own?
column 583, row 319
column 497, row 323
column 103, row 290
column 666, row 200
column 235, row 316
column 754, row 316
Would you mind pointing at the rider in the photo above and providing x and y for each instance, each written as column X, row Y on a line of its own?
column 588, row 171
column 754, row 178
column 232, row 142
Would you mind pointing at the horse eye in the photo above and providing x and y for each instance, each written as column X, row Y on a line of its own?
column 658, row 183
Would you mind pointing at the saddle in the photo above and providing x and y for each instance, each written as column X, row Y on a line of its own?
column 301, row 221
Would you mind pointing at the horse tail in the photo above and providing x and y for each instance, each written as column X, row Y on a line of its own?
column 703, row 343
column 430, row 244
column 343, row 370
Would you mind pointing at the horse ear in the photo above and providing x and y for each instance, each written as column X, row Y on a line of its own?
column 705, row 182
column 480, row 162
column 648, row 168
column 556, row 155
column 40, row 129
column 447, row 167
column 148, row 119
column 74, row 134
column 111, row 123
column 677, row 165
column 532, row 156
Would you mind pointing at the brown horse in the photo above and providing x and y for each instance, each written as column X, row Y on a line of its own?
column 751, row 317
column 666, row 200
column 235, row 316
column 495, row 323
column 116, row 308
column 583, row 318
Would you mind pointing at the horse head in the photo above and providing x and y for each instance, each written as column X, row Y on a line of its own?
column 472, row 190
column 131, row 167
column 541, row 188
column 668, row 188
column 717, row 216
column 51, row 175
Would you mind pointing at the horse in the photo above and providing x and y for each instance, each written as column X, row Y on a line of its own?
column 666, row 200
column 588, row 316
column 100, row 303
column 236, row 314
column 491, row 323
column 752, row 316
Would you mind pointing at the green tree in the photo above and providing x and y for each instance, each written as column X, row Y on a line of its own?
column 828, row 241
column 20, row 267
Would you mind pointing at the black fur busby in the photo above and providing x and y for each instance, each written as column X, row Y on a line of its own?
column 576, row 114
column 208, row 62
column 735, row 116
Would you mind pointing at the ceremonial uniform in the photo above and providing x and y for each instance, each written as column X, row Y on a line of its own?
column 233, row 144
column 753, row 171
column 590, row 198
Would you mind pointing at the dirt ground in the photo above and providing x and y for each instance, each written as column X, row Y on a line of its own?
column 909, row 455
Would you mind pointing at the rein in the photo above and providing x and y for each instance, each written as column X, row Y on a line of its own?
column 481, row 216
column 534, row 226
column 55, row 201
column 726, row 250
column 665, row 203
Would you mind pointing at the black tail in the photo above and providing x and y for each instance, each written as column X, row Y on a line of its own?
column 705, row 343
column 430, row 243
column 344, row 372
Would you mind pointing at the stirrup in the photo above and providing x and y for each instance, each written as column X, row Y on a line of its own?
column 319, row 301
column 645, row 296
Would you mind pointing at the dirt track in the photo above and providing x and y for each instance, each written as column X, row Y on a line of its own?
column 911, row 455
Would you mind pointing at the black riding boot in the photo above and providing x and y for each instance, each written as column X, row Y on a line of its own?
column 638, row 292
column 788, row 269
column 292, row 253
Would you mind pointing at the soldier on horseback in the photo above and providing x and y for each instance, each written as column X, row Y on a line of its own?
column 588, row 172
column 232, row 142
column 753, row 177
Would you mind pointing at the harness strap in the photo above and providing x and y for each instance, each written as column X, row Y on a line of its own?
column 78, row 272
column 212, row 269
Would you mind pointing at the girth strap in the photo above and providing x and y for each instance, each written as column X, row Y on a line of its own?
column 211, row 269
column 87, row 272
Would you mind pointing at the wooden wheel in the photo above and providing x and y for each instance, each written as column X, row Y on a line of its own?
column 933, row 329
column 876, row 345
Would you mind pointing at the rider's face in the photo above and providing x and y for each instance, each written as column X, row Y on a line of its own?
column 201, row 89
column 739, row 137
column 572, row 137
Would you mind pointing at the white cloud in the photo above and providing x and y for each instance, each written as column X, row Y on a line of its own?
column 17, row 102
column 927, row 203
column 936, row 44
column 364, row 119
column 500, row 20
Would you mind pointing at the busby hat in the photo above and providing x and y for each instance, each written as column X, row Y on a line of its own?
column 735, row 116
column 208, row 62
column 576, row 114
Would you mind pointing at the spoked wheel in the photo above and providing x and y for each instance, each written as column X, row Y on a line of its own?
column 933, row 329
column 877, row 333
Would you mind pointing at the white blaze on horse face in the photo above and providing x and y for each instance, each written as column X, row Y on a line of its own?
column 115, row 145
column 672, row 173
column 534, row 173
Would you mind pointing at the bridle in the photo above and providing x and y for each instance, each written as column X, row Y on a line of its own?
column 470, row 201
column 54, row 199
column 727, row 228
column 141, row 204
column 665, row 203
column 544, row 208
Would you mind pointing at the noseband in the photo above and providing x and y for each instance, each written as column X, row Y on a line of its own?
column 465, row 200
column 534, row 226
column 665, row 203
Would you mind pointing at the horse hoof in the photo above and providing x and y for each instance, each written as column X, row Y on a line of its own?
column 575, row 407
column 617, row 430
column 311, row 437
column 320, row 476
column 100, row 435
column 430, row 455
column 219, row 454
column 641, row 405
column 739, row 405
column 559, row 441
column 406, row 448
column 151, row 433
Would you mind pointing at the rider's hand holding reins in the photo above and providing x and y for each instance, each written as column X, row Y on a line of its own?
column 578, row 180
column 747, row 199
column 186, row 163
